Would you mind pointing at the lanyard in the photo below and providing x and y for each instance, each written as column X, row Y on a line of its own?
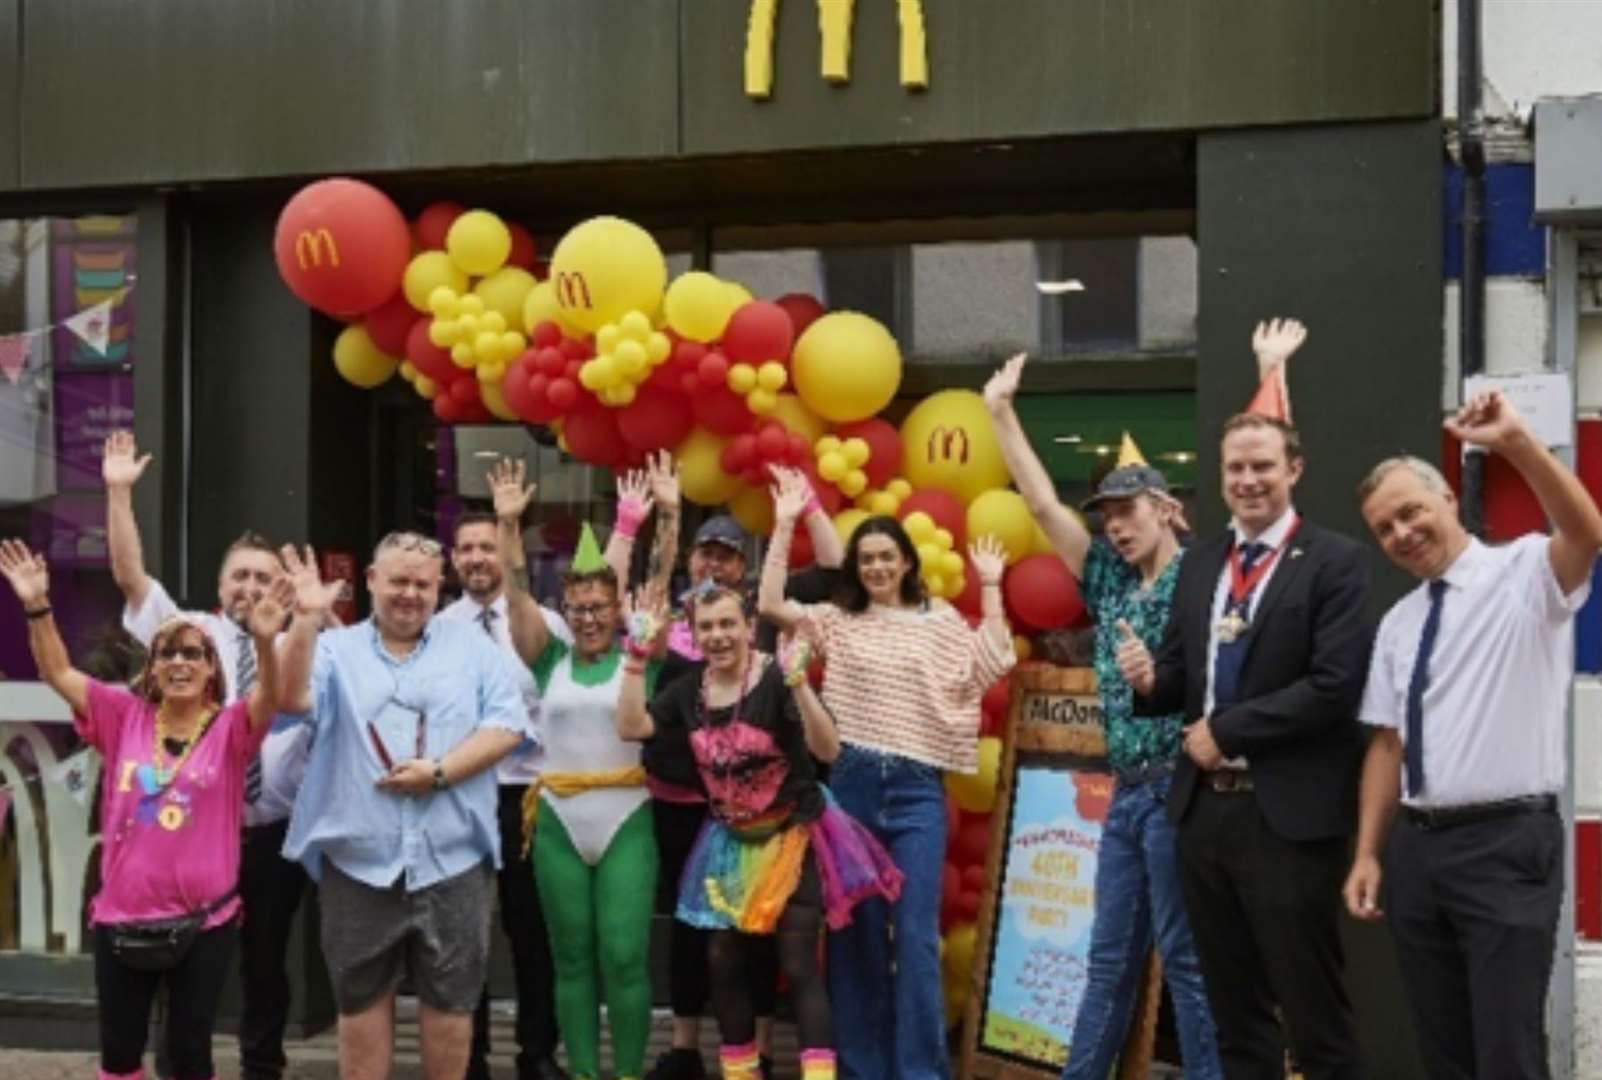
column 1241, row 584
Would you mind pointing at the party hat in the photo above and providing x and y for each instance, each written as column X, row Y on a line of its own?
column 1273, row 396
column 1129, row 453
column 587, row 559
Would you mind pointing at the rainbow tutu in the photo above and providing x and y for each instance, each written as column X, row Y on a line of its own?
column 742, row 878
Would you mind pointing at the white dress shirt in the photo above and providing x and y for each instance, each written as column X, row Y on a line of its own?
column 1273, row 536
column 521, row 766
column 1496, row 702
column 283, row 754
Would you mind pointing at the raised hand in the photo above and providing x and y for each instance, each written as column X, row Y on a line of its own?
column 645, row 618
column 634, row 487
column 1488, row 420
column 1134, row 660
column 1274, row 341
column 266, row 616
column 796, row 650
column 662, row 473
column 1003, row 385
column 27, row 573
column 312, row 595
column 121, row 466
column 508, row 490
column 791, row 491
column 989, row 558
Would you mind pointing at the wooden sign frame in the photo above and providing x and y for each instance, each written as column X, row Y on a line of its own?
column 1055, row 712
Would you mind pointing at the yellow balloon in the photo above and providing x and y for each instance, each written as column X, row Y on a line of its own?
column 512, row 343
column 505, row 291
column 631, row 358
column 846, row 366
column 1003, row 514
column 478, row 242
column 472, row 304
column 701, row 475
column 540, row 306
column 658, row 347
column 487, row 345
column 444, row 303
column 462, row 354
column 832, row 466
column 430, row 270
column 752, row 507
column 635, row 324
column 603, row 269
column 762, row 402
column 976, row 792
column 899, row 488
column 856, row 452
column 408, row 370
column 359, row 361
column 854, row 483
column 607, row 337
column 491, row 371
column 493, row 321
column 947, row 442
column 1021, row 648
column 468, row 325
column 698, row 305
column 742, row 379
column 882, row 503
column 919, row 526
column 444, row 333
column 827, row 444
column 929, row 557
column 846, row 522
column 789, row 410
column 495, row 401
column 426, row 388
column 772, row 376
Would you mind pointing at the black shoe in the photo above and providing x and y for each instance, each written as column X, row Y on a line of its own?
column 543, row 1069
column 765, row 1066
column 678, row 1064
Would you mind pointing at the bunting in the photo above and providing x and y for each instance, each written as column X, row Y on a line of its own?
column 91, row 325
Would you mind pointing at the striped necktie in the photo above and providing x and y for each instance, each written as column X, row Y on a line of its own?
column 244, row 682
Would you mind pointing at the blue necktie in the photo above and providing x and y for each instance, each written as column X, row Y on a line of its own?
column 1417, row 683
column 1231, row 654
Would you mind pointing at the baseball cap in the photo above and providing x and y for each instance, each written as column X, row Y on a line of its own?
column 722, row 530
column 1126, row 482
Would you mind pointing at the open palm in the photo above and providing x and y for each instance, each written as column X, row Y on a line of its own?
column 26, row 572
column 506, row 485
column 122, row 465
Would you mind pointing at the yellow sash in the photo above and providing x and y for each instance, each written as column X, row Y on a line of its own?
column 565, row 785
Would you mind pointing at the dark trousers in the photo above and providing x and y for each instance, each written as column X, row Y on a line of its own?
column 524, row 922
column 195, row 987
column 1263, row 911
column 1474, row 911
column 270, row 887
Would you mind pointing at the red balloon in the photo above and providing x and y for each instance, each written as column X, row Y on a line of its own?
column 884, row 447
column 801, row 553
column 687, row 354
column 721, row 411
column 972, row 840
column 655, row 419
column 974, row 877
column 547, row 335
column 435, row 221
column 738, row 454
column 574, row 349
column 947, row 512
column 950, row 894
column 953, row 819
column 829, row 495
column 341, row 246
column 803, row 310
column 465, row 390
column 757, row 332
column 991, row 724
column 429, row 359
column 713, row 369
column 522, row 253
column 968, row 902
column 968, row 601
column 998, row 697
column 390, row 323
column 1041, row 593
column 563, row 394
column 592, row 436
column 448, row 410
column 517, row 394
column 773, row 441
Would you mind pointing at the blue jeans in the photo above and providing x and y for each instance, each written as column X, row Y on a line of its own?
column 1137, row 891
column 887, row 994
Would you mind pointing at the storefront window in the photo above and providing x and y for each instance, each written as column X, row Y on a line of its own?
column 66, row 363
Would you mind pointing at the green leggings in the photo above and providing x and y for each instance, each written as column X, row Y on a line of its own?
column 599, row 918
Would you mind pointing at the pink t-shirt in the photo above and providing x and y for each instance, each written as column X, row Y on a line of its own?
column 166, row 851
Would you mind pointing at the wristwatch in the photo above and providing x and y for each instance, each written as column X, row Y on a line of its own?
column 440, row 783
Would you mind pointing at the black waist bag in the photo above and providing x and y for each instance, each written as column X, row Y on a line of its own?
column 156, row 945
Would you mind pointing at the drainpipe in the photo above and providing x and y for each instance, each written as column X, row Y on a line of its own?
column 1471, row 227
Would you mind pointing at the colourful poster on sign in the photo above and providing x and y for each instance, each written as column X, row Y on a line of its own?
column 1046, row 905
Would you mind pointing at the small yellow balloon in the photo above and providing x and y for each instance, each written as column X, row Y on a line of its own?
column 701, row 475
column 948, row 442
column 854, row 483
column 934, row 582
column 487, row 345
column 1003, row 514
column 493, row 321
column 473, row 304
column 951, row 564
column 495, row 401
column 658, row 348
column 505, row 291
column 846, row 366
column 762, row 402
column 882, row 504
column 944, row 538
column 919, row 526
column 408, row 370
column 976, row 792
column 622, row 394
column 752, row 507
column 478, row 242
column 832, row 466
column 430, row 270
column 698, row 305
column 846, row 522
column 540, row 306
column 444, row 303
column 512, row 343
column 631, row 359
column 358, row 361
column 856, row 452
column 462, row 354
column 1021, row 648
column 772, row 376
column 604, row 268
column 742, row 379
column 492, row 371
column 635, row 324
column 607, row 337
column 444, row 334
column 827, row 445
column 900, row 488
column 929, row 555
column 468, row 325
column 426, row 388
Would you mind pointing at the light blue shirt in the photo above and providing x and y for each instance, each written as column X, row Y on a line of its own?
column 455, row 681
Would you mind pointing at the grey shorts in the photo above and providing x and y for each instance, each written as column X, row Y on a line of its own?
column 439, row 936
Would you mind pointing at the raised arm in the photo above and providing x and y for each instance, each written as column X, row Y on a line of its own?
column 791, row 493
column 1490, row 421
column 1062, row 526
column 121, row 467
column 524, row 618
column 633, row 504
column 663, row 475
column 297, row 649
column 996, row 655
column 817, row 722
column 645, row 620
column 30, row 580
column 265, row 620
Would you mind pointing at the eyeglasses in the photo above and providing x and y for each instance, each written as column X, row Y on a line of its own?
column 409, row 541
column 575, row 612
column 194, row 654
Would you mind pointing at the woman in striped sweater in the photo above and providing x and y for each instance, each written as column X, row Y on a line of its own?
column 903, row 679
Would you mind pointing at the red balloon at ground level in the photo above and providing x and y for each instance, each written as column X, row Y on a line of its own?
column 1041, row 593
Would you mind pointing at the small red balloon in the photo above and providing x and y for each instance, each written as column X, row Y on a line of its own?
column 390, row 323
column 593, row 437
column 720, row 410
column 998, row 697
column 434, row 222
column 1041, row 593
column 968, row 600
column 973, row 838
column 801, row 552
column 341, row 246
column 547, row 335
column 947, row 511
column 713, row 369
column 655, row 419
column 465, row 390
column 448, row 410
column 563, row 393
column 757, row 332
column 773, row 442
column 575, row 350
column 803, row 310
column 429, row 359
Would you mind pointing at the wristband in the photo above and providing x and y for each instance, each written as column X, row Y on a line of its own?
column 640, row 635
column 630, row 514
column 813, row 506
column 37, row 613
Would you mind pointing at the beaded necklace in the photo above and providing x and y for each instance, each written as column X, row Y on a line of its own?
column 164, row 776
column 703, row 706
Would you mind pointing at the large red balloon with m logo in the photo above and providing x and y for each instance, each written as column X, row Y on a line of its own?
column 341, row 246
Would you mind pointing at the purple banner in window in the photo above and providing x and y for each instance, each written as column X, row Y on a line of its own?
column 88, row 408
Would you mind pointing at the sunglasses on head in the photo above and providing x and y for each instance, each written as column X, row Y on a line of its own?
column 194, row 654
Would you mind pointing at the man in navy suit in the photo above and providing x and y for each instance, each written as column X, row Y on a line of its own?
column 1266, row 651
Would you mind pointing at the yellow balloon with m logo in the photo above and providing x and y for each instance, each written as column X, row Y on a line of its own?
column 604, row 268
column 947, row 442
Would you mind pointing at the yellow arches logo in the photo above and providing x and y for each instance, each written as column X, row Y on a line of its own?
column 834, row 25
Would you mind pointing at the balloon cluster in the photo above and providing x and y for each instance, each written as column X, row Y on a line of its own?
column 626, row 353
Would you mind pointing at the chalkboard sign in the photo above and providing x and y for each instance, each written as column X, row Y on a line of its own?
column 1039, row 905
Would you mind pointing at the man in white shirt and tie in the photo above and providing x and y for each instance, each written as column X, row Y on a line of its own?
column 1467, row 695
column 475, row 557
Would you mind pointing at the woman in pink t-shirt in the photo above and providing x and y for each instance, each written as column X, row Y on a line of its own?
column 170, row 812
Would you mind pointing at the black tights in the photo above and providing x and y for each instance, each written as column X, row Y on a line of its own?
column 798, row 939
column 195, row 986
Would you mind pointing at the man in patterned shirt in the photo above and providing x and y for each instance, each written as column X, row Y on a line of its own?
column 1127, row 581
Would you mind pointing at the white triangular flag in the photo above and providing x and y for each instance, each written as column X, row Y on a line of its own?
column 14, row 355
column 77, row 775
column 93, row 326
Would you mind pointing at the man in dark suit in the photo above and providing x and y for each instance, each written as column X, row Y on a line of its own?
column 1266, row 650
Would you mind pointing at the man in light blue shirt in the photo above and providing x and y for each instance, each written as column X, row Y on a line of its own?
column 396, row 816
